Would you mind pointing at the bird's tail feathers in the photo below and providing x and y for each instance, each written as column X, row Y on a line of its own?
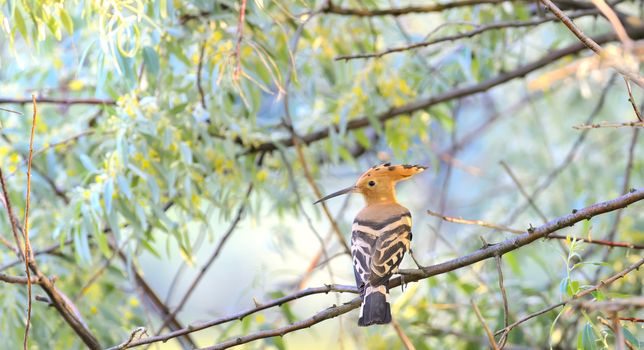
column 375, row 307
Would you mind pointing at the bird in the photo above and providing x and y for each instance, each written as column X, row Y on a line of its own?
column 380, row 237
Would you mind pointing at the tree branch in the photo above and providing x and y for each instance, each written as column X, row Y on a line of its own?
column 18, row 279
column 602, row 283
column 456, row 93
column 240, row 316
column 609, row 125
column 590, row 43
column 59, row 101
column 213, row 256
column 410, row 276
column 469, row 34
column 336, row 10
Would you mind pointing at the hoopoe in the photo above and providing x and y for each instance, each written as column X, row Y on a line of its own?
column 380, row 236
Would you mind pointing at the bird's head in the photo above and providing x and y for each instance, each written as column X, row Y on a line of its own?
column 378, row 183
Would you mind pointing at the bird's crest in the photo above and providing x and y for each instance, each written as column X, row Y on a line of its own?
column 390, row 172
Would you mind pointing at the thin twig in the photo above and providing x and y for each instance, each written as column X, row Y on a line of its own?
column 570, row 156
column 488, row 332
column 27, row 249
column 583, row 293
column 589, row 42
column 137, row 331
column 619, row 334
column 424, row 103
column 59, row 101
column 403, row 337
column 12, row 217
column 199, row 67
column 506, row 309
column 53, row 250
column 332, row 8
column 609, row 125
column 240, row 36
column 202, row 272
column 296, row 141
column 10, row 111
column 631, row 99
column 614, row 22
column 10, row 246
column 474, row 222
column 18, row 279
column 625, row 187
column 241, row 315
column 469, row 34
column 611, row 306
column 599, row 242
column 523, row 191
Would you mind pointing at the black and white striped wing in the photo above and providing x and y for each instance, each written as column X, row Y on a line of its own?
column 378, row 247
column 362, row 245
column 390, row 247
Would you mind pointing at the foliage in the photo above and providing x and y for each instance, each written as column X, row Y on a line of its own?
column 162, row 110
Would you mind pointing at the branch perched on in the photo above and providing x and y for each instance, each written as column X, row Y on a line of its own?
column 413, row 275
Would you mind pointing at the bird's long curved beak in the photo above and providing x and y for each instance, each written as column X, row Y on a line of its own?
column 335, row 194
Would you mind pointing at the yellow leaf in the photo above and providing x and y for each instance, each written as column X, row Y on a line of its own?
column 76, row 85
column 134, row 301
column 261, row 175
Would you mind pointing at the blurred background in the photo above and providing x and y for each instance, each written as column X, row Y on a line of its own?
column 180, row 145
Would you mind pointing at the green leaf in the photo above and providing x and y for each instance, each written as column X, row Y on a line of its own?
column 572, row 288
column 151, row 60
column 108, row 192
column 632, row 339
column 124, row 186
column 150, row 248
column 154, row 189
column 103, row 246
column 586, row 339
column 20, row 24
column 67, row 21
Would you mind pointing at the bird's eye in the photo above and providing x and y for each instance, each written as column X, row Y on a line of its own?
column 372, row 183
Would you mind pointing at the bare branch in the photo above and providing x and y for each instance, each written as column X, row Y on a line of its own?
column 614, row 21
column 488, row 332
column 585, row 292
column 422, row 104
column 552, row 236
column 202, row 272
column 27, row 250
column 469, row 34
column 631, row 99
column 18, row 279
column 332, row 8
column 137, row 331
column 506, row 309
column 11, row 217
column 59, row 101
column 609, row 125
column 401, row 334
column 474, row 222
column 590, row 43
column 199, row 67
column 613, row 305
column 523, row 191
column 240, row 36
column 599, row 242
column 239, row 316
